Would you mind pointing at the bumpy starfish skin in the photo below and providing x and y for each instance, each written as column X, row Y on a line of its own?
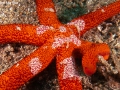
column 55, row 40
column 90, row 52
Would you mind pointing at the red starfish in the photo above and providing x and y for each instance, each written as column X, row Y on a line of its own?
column 55, row 40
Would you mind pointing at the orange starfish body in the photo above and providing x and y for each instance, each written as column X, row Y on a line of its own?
column 55, row 40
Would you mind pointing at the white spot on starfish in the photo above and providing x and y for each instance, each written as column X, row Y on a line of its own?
column 45, row 47
column 69, row 69
column 49, row 9
column 42, row 28
column 79, row 24
column 75, row 40
column 35, row 65
column 102, row 10
column 59, row 41
column 17, row 64
column 18, row 28
column 62, row 29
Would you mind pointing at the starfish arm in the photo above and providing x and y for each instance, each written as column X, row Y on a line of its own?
column 90, row 52
column 29, row 34
column 27, row 68
column 68, row 76
column 88, row 21
column 46, row 12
